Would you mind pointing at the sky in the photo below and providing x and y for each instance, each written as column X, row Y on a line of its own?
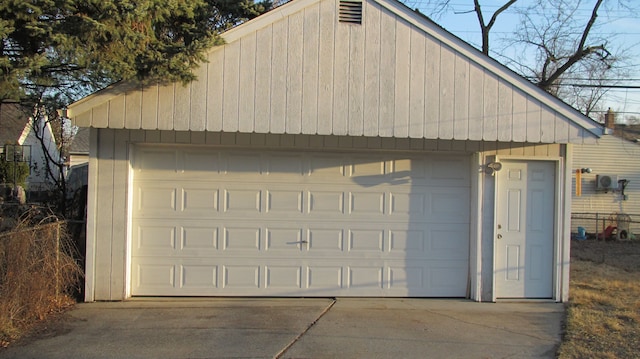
column 621, row 27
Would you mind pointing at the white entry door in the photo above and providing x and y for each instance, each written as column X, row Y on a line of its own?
column 525, row 229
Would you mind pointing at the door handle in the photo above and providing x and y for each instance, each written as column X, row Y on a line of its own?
column 499, row 236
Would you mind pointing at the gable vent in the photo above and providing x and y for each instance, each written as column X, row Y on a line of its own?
column 350, row 12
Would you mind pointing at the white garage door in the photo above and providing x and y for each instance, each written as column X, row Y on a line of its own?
column 211, row 222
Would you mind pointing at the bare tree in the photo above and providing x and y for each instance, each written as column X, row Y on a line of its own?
column 554, row 46
column 442, row 6
column 486, row 27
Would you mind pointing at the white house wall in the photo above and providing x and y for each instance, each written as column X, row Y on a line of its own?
column 106, row 277
column 611, row 155
column 299, row 71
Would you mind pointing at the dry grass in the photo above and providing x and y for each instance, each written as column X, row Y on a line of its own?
column 603, row 313
column 37, row 273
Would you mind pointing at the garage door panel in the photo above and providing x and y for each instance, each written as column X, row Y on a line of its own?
column 154, row 276
column 242, row 200
column 323, row 278
column 303, row 224
column 406, row 278
column 241, row 239
column 198, row 164
column 200, row 277
column 236, row 276
column 365, row 277
column 325, row 241
column 407, row 204
column 366, row 203
column 283, row 277
column 199, row 238
column 283, row 201
column 448, row 242
column 201, row 201
column 285, row 165
column 156, row 237
column 366, row 240
column 242, row 164
column 156, row 199
column 284, row 239
column 407, row 242
column 326, row 202
column 448, row 205
column 155, row 162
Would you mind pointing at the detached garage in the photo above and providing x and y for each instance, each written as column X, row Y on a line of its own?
column 322, row 156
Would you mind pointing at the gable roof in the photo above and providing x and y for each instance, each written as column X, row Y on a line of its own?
column 299, row 70
column 13, row 122
column 80, row 142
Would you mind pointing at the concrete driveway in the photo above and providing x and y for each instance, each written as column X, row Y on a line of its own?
column 300, row 328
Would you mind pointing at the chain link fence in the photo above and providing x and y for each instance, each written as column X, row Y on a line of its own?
column 609, row 226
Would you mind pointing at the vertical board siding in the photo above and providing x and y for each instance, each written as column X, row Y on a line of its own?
column 533, row 120
column 198, row 115
column 165, row 107
column 490, row 111
column 417, row 85
column 181, row 107
column 278, row 97
column 325, row 75
column 372, row 70
column 447, row 93
column 341, row 82
column 307, row 73
column 294, row 73
column 476, row 100
column 561, row 133
column 547, row 124
column 402, row 79
column 150, row 108
column 103, row 215
column 119, row 210
column 387, row 73
column 133, row 109
column 311, row 49
column 247, row 87
column 461, row 106
column 505, row 112
column 231, row 83
column 355, row 114
column 263, row 80
column 101, row 115
column 432, row 88
column 519, row 117
column 215, row 89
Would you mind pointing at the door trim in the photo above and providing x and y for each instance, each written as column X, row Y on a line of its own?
column 558, row 224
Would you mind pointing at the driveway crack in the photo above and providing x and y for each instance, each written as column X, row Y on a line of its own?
column 325, row 311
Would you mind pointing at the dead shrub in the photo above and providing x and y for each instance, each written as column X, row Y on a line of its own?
column 38, row 274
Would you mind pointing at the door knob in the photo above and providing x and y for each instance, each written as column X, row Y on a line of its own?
column 499, row 236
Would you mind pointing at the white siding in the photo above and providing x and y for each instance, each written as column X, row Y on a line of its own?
column 610, row 155
column 109, row 186
column 395, row 75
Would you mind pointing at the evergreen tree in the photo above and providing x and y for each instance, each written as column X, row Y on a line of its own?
column 68, row 48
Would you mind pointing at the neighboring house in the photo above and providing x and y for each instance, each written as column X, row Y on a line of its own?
column 78, row 152
column 16, row 128
column 612, row 160
column 332, row 148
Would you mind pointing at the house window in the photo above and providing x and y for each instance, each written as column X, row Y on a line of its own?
column 17, row 153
